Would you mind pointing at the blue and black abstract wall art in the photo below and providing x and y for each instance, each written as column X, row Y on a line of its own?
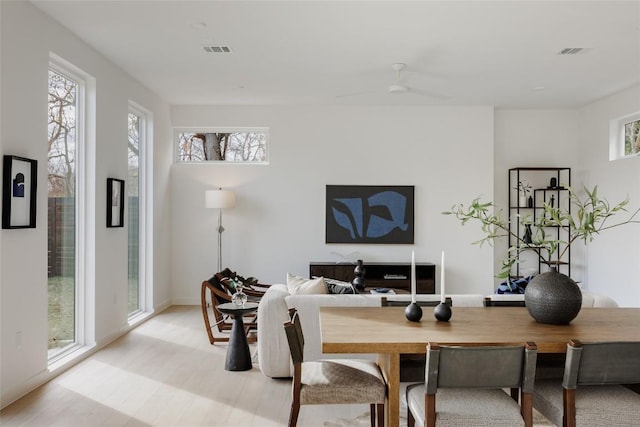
column 369, row 214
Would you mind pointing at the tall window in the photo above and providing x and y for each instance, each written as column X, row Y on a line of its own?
column 64, row 140
column 135, row 137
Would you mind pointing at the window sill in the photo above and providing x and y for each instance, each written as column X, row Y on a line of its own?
column 138, row 318
column 70, row 357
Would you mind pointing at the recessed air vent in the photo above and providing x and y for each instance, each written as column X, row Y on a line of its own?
column 217, row 49
column 572, row 51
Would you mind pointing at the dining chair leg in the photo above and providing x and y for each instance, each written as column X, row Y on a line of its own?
column 380, row 413
column 411, row 422
column 430, row 410
column 526, row 408
column 372, row 411
column 293, row 416
column 569, row 406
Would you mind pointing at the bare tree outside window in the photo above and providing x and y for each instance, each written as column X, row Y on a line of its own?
column 243, row 147
column 632, row 138
column 133, row 144
column 62, row 135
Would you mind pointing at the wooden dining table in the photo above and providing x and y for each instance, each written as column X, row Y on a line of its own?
column 385, row 331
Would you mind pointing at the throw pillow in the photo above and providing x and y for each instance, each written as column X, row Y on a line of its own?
column 300, row 286
column 335, row 286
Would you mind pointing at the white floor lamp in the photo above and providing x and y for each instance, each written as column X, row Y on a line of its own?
column 219, row 199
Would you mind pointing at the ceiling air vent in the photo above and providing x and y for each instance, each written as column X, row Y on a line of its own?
column 571, row 50
column 217, row 49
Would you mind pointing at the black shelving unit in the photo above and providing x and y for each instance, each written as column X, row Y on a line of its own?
column 540, row 182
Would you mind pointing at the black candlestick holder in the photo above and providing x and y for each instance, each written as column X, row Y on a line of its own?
column 413, row 312
column 442, row 312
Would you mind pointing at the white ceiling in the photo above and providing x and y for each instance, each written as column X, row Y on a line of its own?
column 502, row 53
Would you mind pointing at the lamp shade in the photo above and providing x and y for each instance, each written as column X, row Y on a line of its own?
column 219, row 199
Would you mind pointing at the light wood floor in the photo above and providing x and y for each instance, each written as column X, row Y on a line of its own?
column 165, row 373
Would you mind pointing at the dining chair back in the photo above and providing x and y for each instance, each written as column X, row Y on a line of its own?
column 327, row 381
column 504, row 301
column 591, row 392
column 391, row 302
column 463, row 386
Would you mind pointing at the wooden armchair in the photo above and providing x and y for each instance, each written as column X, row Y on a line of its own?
column 219, row 293
column 253, row 290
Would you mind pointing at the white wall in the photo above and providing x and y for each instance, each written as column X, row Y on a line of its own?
column 278, row 224
column 536, row 138
column 612, row 258
column 27, row 37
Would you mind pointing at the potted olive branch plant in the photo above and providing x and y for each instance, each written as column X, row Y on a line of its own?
column 587, row 218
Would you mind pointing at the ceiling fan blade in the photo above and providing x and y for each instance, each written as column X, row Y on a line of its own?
column 429, row 93
column 347, row 95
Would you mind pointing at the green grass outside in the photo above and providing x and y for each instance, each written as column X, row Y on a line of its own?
column 61, row 311
column 62, row 306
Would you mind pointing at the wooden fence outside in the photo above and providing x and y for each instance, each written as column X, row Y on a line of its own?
column 61, row 236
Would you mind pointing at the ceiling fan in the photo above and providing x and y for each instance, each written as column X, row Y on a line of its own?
column 399, row 87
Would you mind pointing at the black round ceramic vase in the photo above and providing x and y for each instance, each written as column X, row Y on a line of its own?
column 553, row 298
column 413, row 312
column 442, row 312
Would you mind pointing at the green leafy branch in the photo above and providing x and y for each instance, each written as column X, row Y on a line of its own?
column 590, row 216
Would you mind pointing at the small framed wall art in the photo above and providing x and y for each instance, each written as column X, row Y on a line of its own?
column 115, row 202
column 369, row 214
column 19, row 187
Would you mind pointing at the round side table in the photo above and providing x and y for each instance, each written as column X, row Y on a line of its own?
column 238, row 355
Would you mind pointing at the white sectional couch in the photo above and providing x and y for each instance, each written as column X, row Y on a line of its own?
column 273, row 350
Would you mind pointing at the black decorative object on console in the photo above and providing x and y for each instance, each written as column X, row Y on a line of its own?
column 359, row 272
column 392, row 275
column 553, row 182
column 413, row 312
column 442, row 312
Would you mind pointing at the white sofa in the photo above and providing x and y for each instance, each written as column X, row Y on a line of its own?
column 273, row 350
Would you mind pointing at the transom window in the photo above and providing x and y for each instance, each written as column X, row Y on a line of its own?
column 624, row 137
column 632, row 137
column 222, row 145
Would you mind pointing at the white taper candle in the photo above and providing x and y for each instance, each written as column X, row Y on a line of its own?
column 413, row 276
column 442, row 297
